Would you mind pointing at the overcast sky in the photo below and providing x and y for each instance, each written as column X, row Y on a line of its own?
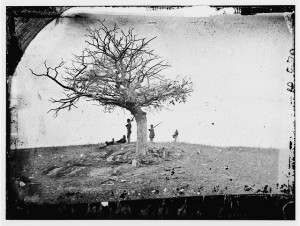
column 237, row 64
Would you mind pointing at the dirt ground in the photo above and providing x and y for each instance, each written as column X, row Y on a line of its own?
column 93, row 173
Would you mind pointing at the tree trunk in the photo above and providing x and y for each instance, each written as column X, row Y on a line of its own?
column 141, row 122
column 141, row 143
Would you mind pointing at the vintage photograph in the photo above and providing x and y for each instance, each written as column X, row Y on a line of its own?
column 150, row 112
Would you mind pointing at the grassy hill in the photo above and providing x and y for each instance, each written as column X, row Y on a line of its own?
column 93, row 173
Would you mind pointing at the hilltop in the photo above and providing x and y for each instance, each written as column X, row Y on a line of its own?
column 92, row 173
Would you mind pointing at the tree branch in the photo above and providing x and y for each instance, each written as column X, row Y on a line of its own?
column 116, row 69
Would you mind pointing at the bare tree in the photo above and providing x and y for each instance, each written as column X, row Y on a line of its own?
column 118, row 69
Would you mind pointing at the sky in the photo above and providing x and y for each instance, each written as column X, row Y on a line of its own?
column 237, row 65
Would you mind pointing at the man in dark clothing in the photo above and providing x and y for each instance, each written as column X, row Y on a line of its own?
column 151, row 135
column 128, row 125
column 175, row 135
column 111, row 142
column 122, row 140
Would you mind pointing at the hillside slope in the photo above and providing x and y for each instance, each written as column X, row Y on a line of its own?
column 90, row 173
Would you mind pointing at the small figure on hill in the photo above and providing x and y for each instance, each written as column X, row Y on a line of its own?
column 110, row 142
column 152, row 134
column 128, row 126
column 122, row 140
column 175, row 135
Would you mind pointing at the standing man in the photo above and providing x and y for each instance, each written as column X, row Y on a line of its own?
column 175, row 135
column 128, row 125
column 151, row 135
